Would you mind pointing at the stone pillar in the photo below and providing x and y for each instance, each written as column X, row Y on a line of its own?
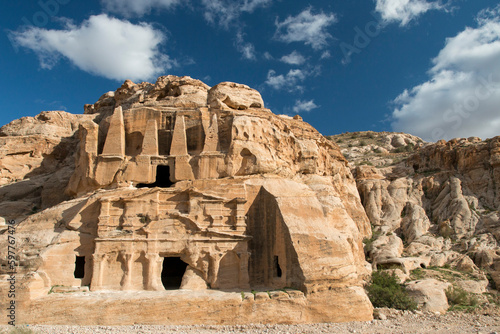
column 153, row 272
column 210, row 156
column 103, row 221
column 150, row 141
column 126, row 282
column 179, row 141
column 212, row 136
column 99, row 261
column 214, row 269
column 241, row 224
column 182, row 169
column 115, row 139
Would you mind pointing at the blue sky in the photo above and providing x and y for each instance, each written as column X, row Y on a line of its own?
column 430, row 68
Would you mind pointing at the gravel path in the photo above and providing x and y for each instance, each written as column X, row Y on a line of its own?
column 404, row 322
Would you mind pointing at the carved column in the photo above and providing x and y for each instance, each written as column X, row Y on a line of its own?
column 153, row 272
column 239, row 214
column 214, row 269
column 103, row 220
column 99, row 261
column 126, row 282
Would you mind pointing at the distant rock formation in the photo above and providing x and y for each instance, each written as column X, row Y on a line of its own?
column 430, row 204
column 181, row 186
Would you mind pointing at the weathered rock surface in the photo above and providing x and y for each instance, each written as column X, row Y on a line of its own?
column 429, row 294
column 36, row 162
column 181, row 186
column 430, row 204
column 234, row 96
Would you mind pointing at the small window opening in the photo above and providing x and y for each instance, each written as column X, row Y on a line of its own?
column 277, row 268
column 79, row 267
column 172, row 272
column 162, row 178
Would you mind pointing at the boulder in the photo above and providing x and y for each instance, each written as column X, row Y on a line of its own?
column 429, row 294
column 234, row 96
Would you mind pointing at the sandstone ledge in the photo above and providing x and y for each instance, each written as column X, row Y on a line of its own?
column 185, row 307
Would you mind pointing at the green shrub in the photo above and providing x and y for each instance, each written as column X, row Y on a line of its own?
column 459, row 299
column 408, row 148
column 417, row 274
column 385, row 291
column 368, row 242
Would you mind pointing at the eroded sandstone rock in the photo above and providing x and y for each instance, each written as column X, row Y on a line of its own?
column 441, row 199
column 429, row 294
column 179, row 186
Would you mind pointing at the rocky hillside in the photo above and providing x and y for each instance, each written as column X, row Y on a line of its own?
column 433, row 208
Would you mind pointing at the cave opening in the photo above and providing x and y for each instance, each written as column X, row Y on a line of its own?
column 277, row 267
column 162, row 178
column 172, row 272
column 79, row 267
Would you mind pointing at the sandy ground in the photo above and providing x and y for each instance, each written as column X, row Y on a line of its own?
column 404, row 322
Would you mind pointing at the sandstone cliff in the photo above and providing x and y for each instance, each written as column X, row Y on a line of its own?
column 171, row 202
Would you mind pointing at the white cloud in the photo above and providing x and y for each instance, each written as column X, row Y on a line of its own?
column 306, row 27
column 294, row 58
column 246, row 49
column 129, row 8
column 326, row 55
column 268, row 56
column 462, row 96
column 101, row 45
column 404, row 11
column 289, row 81
column 251, row 5
column 226, row 12
column 304, row 106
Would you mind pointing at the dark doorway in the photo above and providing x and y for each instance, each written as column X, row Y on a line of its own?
column 79, row 267
column 277, row 268
column 172, row 272
column 162, row 178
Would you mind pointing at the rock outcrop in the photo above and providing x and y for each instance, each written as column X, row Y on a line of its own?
column 430, row 204
column 430, row 294
column 178, row 186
